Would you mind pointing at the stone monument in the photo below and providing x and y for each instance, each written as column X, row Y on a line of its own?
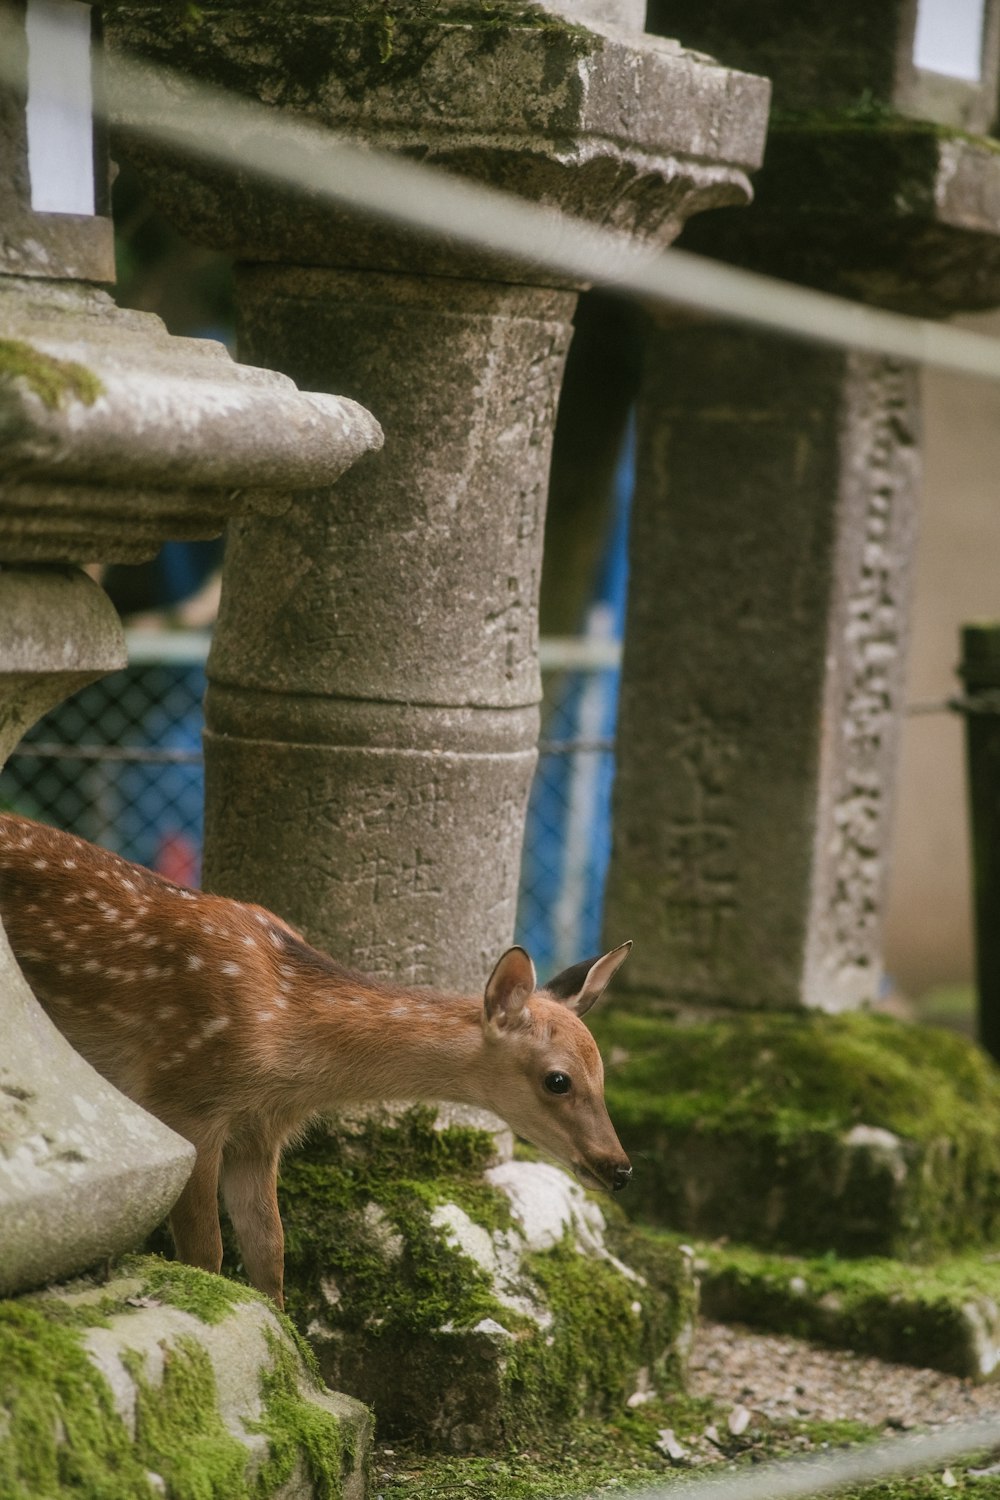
column 774, row 526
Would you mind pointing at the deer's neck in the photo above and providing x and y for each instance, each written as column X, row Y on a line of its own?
column 395, row 1045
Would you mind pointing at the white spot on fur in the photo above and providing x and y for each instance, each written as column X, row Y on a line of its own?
column 217, row 1023
column 40, row 864
column 151, row 972
column 280, row 1002
column 249, row 941
column 194, row 961
column 165, row 1012
column 92, row 965
column 230, row 968
column 69, row 864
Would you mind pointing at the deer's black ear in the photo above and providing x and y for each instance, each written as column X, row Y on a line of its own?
column 512, row 982
column 582, row 986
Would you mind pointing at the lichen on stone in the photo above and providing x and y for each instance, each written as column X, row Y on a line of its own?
column 53, row 381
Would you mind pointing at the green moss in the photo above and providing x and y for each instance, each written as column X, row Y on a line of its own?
column 396, row 1307
column 353, row 1194
column 741, row 1127
column 604, row 1328
column 789, row 1073
column 912, row 1313
column 62, row 1434
column 210, row 1298
column 298, row 1430
column 54, row 381
column 179, row 1433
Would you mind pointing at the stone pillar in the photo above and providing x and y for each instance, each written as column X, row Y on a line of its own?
column 379, row 685
column 382, row 679
column 763, row 666
column 774, row 528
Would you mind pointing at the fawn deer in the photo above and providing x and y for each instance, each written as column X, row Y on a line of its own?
column 220, row 1019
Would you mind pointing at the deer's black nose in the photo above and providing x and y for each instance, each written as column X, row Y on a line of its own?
column 621, row 1178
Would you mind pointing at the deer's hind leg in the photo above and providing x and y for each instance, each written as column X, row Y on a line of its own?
column 250, row 1193
column 194, row 1218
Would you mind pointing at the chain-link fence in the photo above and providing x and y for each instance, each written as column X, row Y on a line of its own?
column 120, row 763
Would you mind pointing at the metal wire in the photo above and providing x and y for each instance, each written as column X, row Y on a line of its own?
column 243, row 135
column 800, row 1478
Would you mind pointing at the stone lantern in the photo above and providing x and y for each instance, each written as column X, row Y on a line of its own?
column 116, row 436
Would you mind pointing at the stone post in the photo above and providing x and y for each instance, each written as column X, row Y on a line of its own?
column 382, row 679
column 773, row 534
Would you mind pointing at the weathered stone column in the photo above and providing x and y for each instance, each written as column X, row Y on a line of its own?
column 375, row 662
column 378, row 684
column 771, row 547
column 774, row 528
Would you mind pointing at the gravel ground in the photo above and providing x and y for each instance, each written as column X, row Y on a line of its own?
column 786, row 1378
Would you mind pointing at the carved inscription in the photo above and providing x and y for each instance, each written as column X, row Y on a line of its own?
column 880, row 461
column 700, row 861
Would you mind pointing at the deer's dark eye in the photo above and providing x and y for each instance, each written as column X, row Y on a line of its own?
column 558, row 1083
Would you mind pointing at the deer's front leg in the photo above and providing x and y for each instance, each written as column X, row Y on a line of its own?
column 194, row 1218
column 250, row 1192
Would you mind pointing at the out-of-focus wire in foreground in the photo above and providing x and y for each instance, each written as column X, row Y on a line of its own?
column 801, row 1478
column 240, row 134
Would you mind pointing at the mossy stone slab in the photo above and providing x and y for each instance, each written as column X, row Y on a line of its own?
column 944, row 1315
column 166, row 1380
column 854, row 1134
column 473, row 1303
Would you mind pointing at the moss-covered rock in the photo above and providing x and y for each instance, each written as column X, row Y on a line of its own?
column 168, row 1381
column 940, row 1316
column 472, row 1304
column 809, row 1133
